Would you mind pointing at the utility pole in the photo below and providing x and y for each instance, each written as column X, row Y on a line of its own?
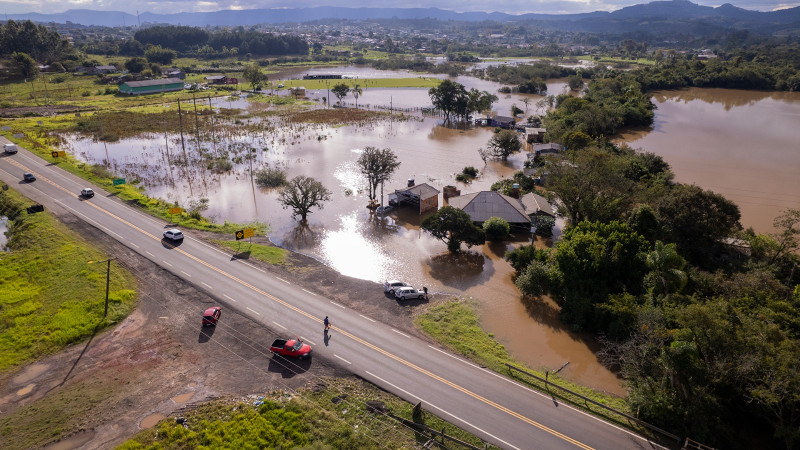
column 108, row 281
column 213, row 133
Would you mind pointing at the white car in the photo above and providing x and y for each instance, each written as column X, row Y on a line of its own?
column 407, row 292
column 173, row 234
column 391, row 285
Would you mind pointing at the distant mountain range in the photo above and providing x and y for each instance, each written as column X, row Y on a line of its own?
column 645, row 17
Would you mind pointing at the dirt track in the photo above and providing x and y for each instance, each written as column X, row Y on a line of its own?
column 160, row 360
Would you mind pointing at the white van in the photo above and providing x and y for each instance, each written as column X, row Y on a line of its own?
column 10, row 148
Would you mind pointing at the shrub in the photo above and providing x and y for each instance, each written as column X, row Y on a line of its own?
column 544, row 225
column 470, row 171
column 270, row 178
column 496, row 229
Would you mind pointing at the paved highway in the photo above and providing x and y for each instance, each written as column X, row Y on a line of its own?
column 491, row 406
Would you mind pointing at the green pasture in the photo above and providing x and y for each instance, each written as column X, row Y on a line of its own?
column 51, row 296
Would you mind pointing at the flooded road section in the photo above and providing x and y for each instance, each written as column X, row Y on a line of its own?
column 744, row 145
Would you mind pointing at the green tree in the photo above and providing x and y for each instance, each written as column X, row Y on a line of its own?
column 496, row 229
column 254, row 75
column 595, row 260
column 340, row 91
column 302, row 193
column 787, row 234
column 24, row 66
column 450, row 98
column 356, row 92
column 504, row 143
column 453, row 227
column 377, row 165
column 160, row 55
column 696, row 220
column 666, row 269
column 515, row 111
column 479, row 101
column 136, row 64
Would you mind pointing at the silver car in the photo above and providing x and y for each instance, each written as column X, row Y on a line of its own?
column 407, row 292
column 173, row 234
column 391, row 285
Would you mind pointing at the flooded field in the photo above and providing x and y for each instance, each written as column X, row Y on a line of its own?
column 741, row 144
column 746, row 147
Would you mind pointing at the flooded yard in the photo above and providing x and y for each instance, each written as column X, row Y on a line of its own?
column 746, row 149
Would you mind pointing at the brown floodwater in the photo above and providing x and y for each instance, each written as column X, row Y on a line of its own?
column 744, row 145
column 345, row 235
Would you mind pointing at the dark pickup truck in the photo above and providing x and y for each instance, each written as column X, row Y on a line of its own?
column 290, row 347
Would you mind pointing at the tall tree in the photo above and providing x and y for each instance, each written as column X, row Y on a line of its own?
column 301, row 194
column 504, row 143
column 24, row 66
column 340, row 91
column 377, row 165
column 666, row 269
column 787, row 235
column 453, row 227
column 450, row 98
column 356, row 92
column 254, row 75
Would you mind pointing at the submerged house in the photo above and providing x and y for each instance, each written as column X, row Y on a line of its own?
column 516, row 211
column 424, row 196
column 151, row 86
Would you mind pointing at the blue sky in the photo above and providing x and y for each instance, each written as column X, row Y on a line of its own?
column 509, row 6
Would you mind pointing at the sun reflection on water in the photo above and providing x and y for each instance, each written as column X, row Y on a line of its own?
column 350, row 252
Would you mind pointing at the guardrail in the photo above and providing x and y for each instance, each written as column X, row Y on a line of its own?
column 588, row 400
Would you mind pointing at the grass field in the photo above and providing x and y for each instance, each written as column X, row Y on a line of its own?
column 50, row 295
column 266, row 253
column 455, row 324
column 332, row 415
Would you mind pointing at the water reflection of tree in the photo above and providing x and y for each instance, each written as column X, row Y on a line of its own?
column 302, row 236
column 462, row 270
column 543, row 311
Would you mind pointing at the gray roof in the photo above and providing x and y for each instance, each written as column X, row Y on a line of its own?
column 105, row 68
column 158, row 82
column 535, row 204
column 552, row 146
column 424, row 190
column 503, row 119
column 485, row 204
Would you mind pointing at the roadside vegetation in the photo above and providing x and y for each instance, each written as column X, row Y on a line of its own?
column 333, row 413
column 455, row 324
column 266, row 253
column 51, row 296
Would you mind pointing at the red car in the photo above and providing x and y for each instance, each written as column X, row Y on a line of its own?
column 211, row 316
column 290, row 347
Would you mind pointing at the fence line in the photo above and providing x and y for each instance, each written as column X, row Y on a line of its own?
column 586, row 399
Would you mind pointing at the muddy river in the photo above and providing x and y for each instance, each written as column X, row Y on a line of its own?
column 346, row 236
column 744, row 145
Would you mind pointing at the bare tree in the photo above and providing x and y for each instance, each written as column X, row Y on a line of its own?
column 377, row 165
column 526, row 101
column 301, row 194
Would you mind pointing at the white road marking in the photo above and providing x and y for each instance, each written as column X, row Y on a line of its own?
column 454, row 357
column 283, row 280
column 229, row 298
column 401, row 334
column 163, row 317
column 340, row 306
column 150, row 254
column 371, row 320
column 166, row 263
column 276, row 323
column 348, row 362
column 306, row 290
column 427, row 403
column 206, row 285
column 133, row 244
column 253, row 311
column 306, row 340
column 186, row 274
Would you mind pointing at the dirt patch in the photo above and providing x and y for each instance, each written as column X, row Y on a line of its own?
column 21, row 111
column 101, row 391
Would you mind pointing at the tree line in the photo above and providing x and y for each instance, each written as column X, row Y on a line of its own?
column 196, row 41
column 701, row 317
